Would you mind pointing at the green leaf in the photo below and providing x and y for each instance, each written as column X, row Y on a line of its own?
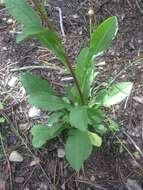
column 96, row 140
column 100, row 128
column 42, row 133
column 115, row 94
column 23, row 12
column 79, row 118
column 103, row 35
column 54, row 118
column 47, row 102
column 78, row 148
column 113, row 125
column 85, row 71
column 34, row 84
column 96, row 115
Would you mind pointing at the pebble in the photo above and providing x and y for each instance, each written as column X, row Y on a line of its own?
column 4, row 19
column 10, row 21
column 102, row 63
column 15, row 157
column 34, row 112
column 92, row 178
column 4, row 48
column 61, row 153
column 12, row 82
column 35, row 161
column 19, row 180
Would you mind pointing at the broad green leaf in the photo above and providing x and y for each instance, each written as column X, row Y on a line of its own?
column 96, row 140
column 54, row 118
column 34, row 84
column 114, row 94
column 96, row 115
column 113, row 125
column 23, row 12
column 47, row 101
column 78, row 148
column 1, row 105
column 79, row 118
column 42, row 133
column 103, row 36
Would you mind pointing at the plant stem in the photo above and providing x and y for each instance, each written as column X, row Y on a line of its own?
column 69, row 65
column 43, row 14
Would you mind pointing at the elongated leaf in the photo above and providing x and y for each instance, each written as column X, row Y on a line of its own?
column 42, row 133
column 79, row 118
column 23, row 13
column 103, row 36
column 34, row 84
column 85, row 71
column 47, row 102
column 78, row 148
column 114, row 94
column 96, row 140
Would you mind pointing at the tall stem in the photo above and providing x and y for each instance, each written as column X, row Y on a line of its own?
column 43, row 14
column 69, row 65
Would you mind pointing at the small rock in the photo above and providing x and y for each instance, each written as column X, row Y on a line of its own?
column 61, row 153
column 75, row 16
column 12, row 82
column 19, row 180
column 15, row 157
column 35, row 161
column 34, row 112
column 133, row 185
column 92, row 178
column 10, row 21
column 4, row 19
column 63, row 186
column 4, row 48
column 102, row 63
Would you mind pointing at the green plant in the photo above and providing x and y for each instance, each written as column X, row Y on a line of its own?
column 79, row 113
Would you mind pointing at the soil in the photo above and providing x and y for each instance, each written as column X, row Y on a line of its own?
column 109, row 167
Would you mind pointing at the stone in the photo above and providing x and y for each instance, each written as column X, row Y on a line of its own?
column 12, row 82
column 9, row 21
column 61, row 153
column 34, row 112
column 15, row 157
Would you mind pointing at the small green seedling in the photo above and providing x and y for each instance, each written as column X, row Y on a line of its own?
column 80, row 113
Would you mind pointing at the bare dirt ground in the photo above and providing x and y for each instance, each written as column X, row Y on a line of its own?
column 120, row 160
